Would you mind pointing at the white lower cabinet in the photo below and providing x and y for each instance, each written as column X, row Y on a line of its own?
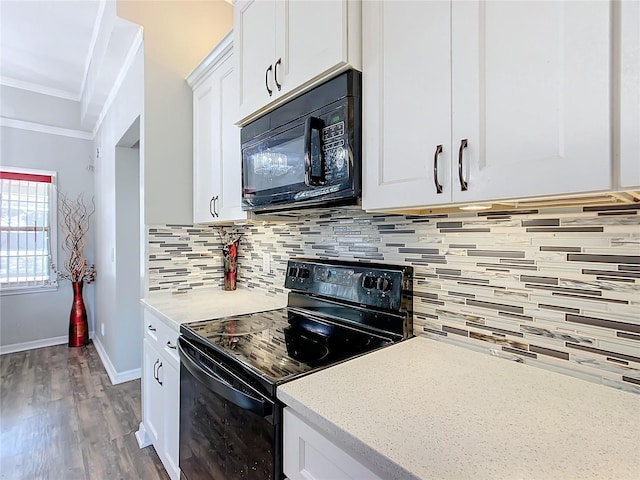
column 161, row 393
column 310, row 454
column 170, row 377
column 151, row 408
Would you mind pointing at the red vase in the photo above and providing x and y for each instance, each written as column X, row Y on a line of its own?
column 78, row 326
column 230, row 255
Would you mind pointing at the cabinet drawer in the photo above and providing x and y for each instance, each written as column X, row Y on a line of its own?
column 161, row 336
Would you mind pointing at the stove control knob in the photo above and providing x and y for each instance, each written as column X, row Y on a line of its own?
column 383, row 284
column 369, row 282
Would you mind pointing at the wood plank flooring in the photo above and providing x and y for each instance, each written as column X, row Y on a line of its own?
column 62, row 419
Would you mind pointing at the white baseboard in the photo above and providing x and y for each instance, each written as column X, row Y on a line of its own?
column 115, row 376
column 21, row 347
column 143, row 438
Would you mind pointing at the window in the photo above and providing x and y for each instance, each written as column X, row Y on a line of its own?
column 27, row 230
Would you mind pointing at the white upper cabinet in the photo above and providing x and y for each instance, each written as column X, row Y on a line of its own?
column 516, row 93
column 255, row 30
column 204, row 171
column 217, row 182
column 285, row 46
column 629, row 89
column 406, row 83
column 531, row 85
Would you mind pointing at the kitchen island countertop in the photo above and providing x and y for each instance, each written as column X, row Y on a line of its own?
column 427, row 409
column 209, row 303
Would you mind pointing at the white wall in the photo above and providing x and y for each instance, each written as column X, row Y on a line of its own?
column 38, row 319
column 127, row 333
column 127, row 107
column 29, row 106
column 177, row 36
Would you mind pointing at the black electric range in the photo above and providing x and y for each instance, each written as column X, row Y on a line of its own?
column 230, row 368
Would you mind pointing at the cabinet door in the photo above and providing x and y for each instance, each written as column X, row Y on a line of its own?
column 217, row 181
column 309, row 454
column 206, row 164
column 312, row 40
column 630, row 95
column 228, row 144
column 406, row 103
column 531, row 95
column 171, row 435
column 254, row 43
column 152, row 394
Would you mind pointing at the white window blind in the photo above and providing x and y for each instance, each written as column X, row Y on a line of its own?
column 27, row 229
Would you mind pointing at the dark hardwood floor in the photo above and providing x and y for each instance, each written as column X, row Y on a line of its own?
column 61, row 418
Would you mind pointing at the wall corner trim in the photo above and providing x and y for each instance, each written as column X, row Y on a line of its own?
column 115, row 376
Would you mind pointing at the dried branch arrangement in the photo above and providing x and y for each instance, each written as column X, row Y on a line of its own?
column 74, row 220
column 228, row 236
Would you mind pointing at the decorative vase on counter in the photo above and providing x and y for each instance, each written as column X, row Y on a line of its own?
column 230, row 254
column 78, row 326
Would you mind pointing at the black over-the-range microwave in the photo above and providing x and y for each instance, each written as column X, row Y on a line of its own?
column 307, row 152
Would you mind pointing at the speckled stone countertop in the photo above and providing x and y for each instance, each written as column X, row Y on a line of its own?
column 426, row 409
column 208, row 303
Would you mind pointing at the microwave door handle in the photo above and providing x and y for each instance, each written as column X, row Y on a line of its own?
column 221, row 388
column 314, row 173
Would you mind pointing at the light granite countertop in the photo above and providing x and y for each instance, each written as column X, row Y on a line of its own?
column 430, row 410
column 209, row 303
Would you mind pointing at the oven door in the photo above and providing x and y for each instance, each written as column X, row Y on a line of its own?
column 228, row 430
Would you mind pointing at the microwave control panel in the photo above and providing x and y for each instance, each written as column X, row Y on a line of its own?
column 335, row 150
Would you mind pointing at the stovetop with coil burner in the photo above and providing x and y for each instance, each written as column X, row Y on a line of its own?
column 335, row 311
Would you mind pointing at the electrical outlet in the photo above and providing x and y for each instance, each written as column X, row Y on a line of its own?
column 266, row 262
column 102, row 329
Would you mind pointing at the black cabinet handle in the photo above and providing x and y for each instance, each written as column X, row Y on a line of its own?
column 435, row 169
column 212, row 206
column 155, row 365
column 463, row 184
column 158, row 375
column 275, row 73
column 266, row 79
column 313, row 170
column 151, row 328
column 173, row 347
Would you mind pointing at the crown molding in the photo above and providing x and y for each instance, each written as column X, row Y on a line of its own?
column 35, row 88
column 92, row 44
column 218, row 54
column 136, row 44
column 42, row 128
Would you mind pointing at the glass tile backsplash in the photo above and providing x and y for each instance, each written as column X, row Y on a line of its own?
column 555, row 288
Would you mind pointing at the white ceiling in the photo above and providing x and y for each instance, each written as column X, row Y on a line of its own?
column 46, row 45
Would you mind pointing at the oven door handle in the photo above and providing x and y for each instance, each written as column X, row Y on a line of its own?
column 218, row 386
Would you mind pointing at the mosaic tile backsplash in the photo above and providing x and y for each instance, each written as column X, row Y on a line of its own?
column 555, row 288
